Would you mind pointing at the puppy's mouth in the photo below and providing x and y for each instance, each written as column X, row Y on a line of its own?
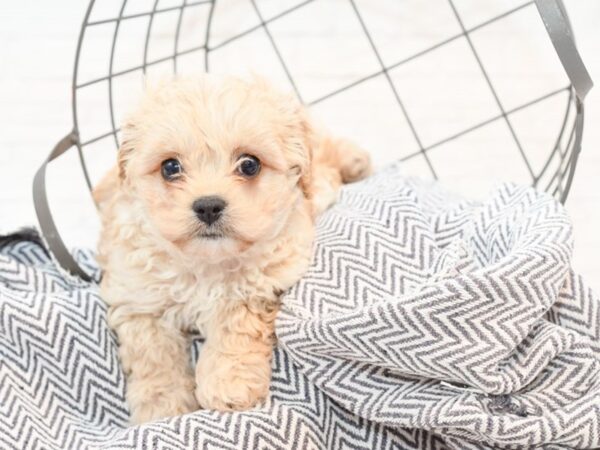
column 211, row 235
column 214, row 232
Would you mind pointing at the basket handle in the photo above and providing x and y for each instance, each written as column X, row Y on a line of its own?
column 42, row 209
column 559, row 29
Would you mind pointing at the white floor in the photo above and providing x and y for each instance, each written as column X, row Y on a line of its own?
column 325, row 48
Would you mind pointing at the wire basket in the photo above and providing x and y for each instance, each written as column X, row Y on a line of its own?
column 341, row 57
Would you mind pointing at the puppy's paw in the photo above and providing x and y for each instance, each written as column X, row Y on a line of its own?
column 230, row 395
column 236, row 388
column 148, row 404
column 355, row 163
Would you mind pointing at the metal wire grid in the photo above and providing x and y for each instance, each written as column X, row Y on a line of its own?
column 561, row 155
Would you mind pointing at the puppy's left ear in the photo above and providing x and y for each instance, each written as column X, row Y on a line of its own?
column 308, row 142
column 297, row 133
column 125, row 149
column 305, row 142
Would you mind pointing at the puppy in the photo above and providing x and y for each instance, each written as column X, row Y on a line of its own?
column 207, row 218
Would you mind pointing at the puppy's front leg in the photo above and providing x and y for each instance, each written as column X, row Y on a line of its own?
column 234, row 368
column 160, row 382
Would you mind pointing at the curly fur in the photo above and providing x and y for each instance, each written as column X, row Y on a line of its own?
column 162, row 279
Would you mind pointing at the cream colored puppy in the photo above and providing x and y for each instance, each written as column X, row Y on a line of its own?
column 207, row 219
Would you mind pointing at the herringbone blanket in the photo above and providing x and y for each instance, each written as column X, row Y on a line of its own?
column 424, row 322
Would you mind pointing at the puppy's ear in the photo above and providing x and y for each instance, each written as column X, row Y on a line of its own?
column 307, row 141
column 125, row 149
column 300, row 136
column 297, row 132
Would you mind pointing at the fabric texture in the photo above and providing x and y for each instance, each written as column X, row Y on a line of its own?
column 424, row 322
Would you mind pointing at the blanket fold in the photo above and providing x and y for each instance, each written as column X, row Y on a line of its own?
column 425, row 321
column 446, row 291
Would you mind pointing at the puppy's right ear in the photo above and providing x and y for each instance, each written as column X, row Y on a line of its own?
column 125, row 149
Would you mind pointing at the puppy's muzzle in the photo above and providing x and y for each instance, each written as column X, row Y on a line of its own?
column 209, row 209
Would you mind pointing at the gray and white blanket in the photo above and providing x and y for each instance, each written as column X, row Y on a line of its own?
column 424, row 322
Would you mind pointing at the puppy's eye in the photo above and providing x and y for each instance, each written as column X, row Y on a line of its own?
column 170, row 169
column 248, row 166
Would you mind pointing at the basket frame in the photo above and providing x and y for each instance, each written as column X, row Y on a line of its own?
column 552, row 12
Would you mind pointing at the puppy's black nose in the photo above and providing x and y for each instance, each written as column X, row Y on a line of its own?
column 209, row 209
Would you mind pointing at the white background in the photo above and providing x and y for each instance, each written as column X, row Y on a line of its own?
column 325, row 50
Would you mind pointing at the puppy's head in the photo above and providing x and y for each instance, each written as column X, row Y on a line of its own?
column 218, row 163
